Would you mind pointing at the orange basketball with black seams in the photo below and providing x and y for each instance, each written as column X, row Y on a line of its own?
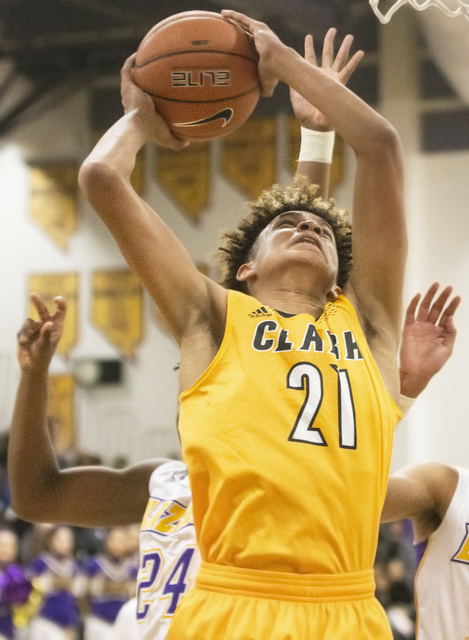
column 201, row 73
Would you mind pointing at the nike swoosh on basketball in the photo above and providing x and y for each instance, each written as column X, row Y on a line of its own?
column 226, row 114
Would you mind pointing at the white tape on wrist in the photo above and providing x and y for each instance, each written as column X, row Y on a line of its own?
column 316, row 146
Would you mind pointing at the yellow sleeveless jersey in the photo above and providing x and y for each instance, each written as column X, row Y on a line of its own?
column 287, row 437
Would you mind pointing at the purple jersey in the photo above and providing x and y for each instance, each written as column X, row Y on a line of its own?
column 111, row 583
column 58, row 581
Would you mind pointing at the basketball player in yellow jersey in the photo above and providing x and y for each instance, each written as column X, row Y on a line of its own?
column 287, row 386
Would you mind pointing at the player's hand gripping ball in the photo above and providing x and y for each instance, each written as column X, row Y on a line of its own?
column 201, row 73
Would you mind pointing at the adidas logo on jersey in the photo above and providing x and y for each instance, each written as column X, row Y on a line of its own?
column 260, row 313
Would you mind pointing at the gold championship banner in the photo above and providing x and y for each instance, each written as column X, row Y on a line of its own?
column 337, row 169
column 60, row 411
column 117, row 308
column 48, row 286
column 53, row 199
column 249, row 156
column 186, row 176
column 138, row 174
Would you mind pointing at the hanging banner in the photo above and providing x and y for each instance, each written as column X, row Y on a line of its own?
column 137, row 178
column 249, row 156
column 186, row 176
column 117, row 308
column 60, row 411
column 53, row 199
column 337, row 169
column 49, row 286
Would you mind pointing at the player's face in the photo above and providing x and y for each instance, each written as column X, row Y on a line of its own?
column 296, row 237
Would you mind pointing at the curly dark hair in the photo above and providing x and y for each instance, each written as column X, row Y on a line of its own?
column 300, row 196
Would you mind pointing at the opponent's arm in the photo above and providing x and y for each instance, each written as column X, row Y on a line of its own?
column 320, row 142
column 184, row 296
column 379, row 230
column 40, row 492
column 421, row 493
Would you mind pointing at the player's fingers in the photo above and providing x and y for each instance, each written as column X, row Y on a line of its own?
column 310, row 56
column 449, row 312
column 350, row 67
column 46, row 331
column 328, row 49
column 342, row 55
column 438, row 305
column 410, row 313
column 450, row 329
column 40, row 307
column 126, row 71
column 60, row 304
column 28, row 328
column 245, row 21
column 422, row 314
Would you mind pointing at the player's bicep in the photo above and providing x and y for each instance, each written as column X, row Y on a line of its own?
column 379, row 239
column 149, row 246
column 406, row 497
column 94, row 496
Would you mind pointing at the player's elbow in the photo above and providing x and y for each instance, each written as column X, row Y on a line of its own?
column 383, row 146
column 27, row 508
column 33, row 500
column 386, row 140
column 96, row 179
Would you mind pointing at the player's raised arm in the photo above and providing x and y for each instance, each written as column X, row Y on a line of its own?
column 317, row 133
column 40, row 492
column 185, row 297
column 379, row 230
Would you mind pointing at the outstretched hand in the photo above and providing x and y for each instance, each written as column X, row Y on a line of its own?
column 339, row 68
column 134, row 99
column 427, row 338
column 37, row 340
column 267, row 45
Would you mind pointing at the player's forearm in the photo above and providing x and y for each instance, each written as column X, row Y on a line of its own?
column 31, row 461
column 116, row 150
column 361, row 127
column 317, row 173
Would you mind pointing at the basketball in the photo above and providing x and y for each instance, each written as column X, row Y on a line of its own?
column 201, row 73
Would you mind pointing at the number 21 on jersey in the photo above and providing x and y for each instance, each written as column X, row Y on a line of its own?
column 305, row 376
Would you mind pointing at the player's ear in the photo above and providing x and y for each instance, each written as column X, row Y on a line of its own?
column 245, row 272
column 333, row 293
